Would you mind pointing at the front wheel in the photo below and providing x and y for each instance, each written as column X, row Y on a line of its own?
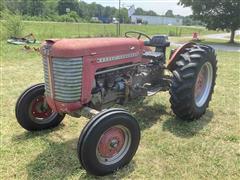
column 108, row 142
column 194, row 78
column 32, row 111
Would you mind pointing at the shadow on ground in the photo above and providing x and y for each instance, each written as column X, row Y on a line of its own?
column 26, row 135
column 147, row 114
column 59, row 159
column 186, row 129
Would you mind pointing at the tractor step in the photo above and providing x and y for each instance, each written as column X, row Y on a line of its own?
column 153, row 55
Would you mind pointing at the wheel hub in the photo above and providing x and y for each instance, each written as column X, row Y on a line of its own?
column 200, row 83
column 39, row 109
column 111, row 142
column 113, row 145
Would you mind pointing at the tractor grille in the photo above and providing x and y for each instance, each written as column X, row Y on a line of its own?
column 66, row 78
column 46, row 77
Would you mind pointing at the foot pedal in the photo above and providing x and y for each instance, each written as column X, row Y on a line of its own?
column 154, row 91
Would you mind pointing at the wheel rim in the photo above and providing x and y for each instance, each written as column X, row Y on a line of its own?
column 203, row 84
column 39, row 111
column 113, row 144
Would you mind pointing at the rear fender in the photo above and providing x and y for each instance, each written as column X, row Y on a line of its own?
column 176, row 54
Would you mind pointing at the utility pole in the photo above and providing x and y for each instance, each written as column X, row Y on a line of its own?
column 119, row 14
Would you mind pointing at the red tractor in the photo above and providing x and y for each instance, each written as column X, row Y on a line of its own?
column 88, row 75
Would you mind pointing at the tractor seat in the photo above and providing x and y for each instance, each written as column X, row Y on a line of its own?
column 153, row 55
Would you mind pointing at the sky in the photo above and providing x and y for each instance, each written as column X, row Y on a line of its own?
column 159, row 6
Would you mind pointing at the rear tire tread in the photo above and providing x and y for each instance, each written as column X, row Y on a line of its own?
column 184, row 76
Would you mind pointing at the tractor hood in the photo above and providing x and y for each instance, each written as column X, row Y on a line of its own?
column 91, row 46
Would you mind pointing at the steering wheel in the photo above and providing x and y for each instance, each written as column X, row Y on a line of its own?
column 140, row 34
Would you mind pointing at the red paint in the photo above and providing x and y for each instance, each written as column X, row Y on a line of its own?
column 88, row 46
column 37, row 108
column 195, row 36
column 58, row 106
column 92, row 49
column 200, row 83
column 111, row 142
column 177, row 53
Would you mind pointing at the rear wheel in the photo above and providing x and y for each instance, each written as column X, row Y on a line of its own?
column 194, row 77
column 32, row 111
column 108, row 142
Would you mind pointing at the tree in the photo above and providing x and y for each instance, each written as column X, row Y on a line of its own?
column 26, row 7
column 36, row 7
column 83, row 10
column 12, row 6
column 140, row 11
column 217, row 15
column 50, row 8
column 123, row 16
column 151, row 13
column 2, row 6
column 169, row 13
column 13, row 25
column 63, row 5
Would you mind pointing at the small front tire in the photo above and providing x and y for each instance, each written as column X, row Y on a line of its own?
column 108, row 142
column 33, row 113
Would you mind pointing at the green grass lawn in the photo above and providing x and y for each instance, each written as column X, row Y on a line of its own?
column 44, row 30
column 169, row 149
column 237, row 38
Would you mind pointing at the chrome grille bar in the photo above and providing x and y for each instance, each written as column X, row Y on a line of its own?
column 67, row 78
column 67, row 75
column 46, row 77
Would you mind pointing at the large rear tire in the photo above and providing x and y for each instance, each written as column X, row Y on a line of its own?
column 32, row 113
column 194, row 76
column 108, row 142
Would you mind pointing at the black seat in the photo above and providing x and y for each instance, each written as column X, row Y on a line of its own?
column 153, row 55
column 159, row 41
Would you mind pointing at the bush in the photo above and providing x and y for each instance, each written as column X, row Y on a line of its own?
column 12, row 24
column 69, row 17
column 65, row 18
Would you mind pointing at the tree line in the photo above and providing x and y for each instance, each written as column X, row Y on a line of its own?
column 214, row 14
column 76, row 11
column 67, row 10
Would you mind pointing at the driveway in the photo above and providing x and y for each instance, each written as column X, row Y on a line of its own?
column 216, row 47
column 223, row 36
column 221, row 47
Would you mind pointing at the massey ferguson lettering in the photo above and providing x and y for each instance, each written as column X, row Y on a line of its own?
column 115, row 58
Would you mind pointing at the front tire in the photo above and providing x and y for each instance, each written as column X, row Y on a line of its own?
column 194, row 76
column 108, row 142
column 33, row 113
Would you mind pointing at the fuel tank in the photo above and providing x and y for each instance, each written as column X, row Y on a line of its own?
column 92, row 46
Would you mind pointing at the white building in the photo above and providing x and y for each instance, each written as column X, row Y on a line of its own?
column 139, row 19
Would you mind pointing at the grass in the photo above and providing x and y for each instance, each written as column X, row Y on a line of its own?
column 169, row 149
column 43, row 30
column 238, row 37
